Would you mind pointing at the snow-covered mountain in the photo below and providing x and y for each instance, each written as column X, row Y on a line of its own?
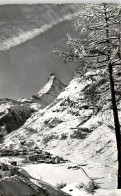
column 15, row 113
column 70, row 127
column 48, row 93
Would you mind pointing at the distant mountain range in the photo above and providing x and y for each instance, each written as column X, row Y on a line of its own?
column 14, row 113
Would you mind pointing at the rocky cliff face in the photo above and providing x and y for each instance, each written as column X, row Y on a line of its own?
column 13, row 115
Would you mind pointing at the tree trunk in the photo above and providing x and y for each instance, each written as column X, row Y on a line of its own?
column 116, row 123
column 113, row 100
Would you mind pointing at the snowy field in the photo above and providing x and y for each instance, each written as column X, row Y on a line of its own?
column 73, row 178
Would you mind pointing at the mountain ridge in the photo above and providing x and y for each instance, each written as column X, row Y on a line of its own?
column 14, row 113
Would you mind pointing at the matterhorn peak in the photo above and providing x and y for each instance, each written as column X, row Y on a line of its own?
column 54, row 82
column 50, row 91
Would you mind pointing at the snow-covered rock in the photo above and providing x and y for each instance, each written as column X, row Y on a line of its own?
column 49, row 92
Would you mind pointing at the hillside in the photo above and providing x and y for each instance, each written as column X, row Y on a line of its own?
column 72, row 129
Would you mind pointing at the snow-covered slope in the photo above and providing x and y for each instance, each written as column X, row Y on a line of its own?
column 69, row 127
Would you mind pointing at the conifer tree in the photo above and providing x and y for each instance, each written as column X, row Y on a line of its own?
column 97, row 48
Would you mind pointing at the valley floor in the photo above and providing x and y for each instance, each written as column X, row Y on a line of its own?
column 73, row 177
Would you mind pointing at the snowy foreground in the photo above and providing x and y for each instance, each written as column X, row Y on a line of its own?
column 100, row 192
column 75, row 179
column 55, row 174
